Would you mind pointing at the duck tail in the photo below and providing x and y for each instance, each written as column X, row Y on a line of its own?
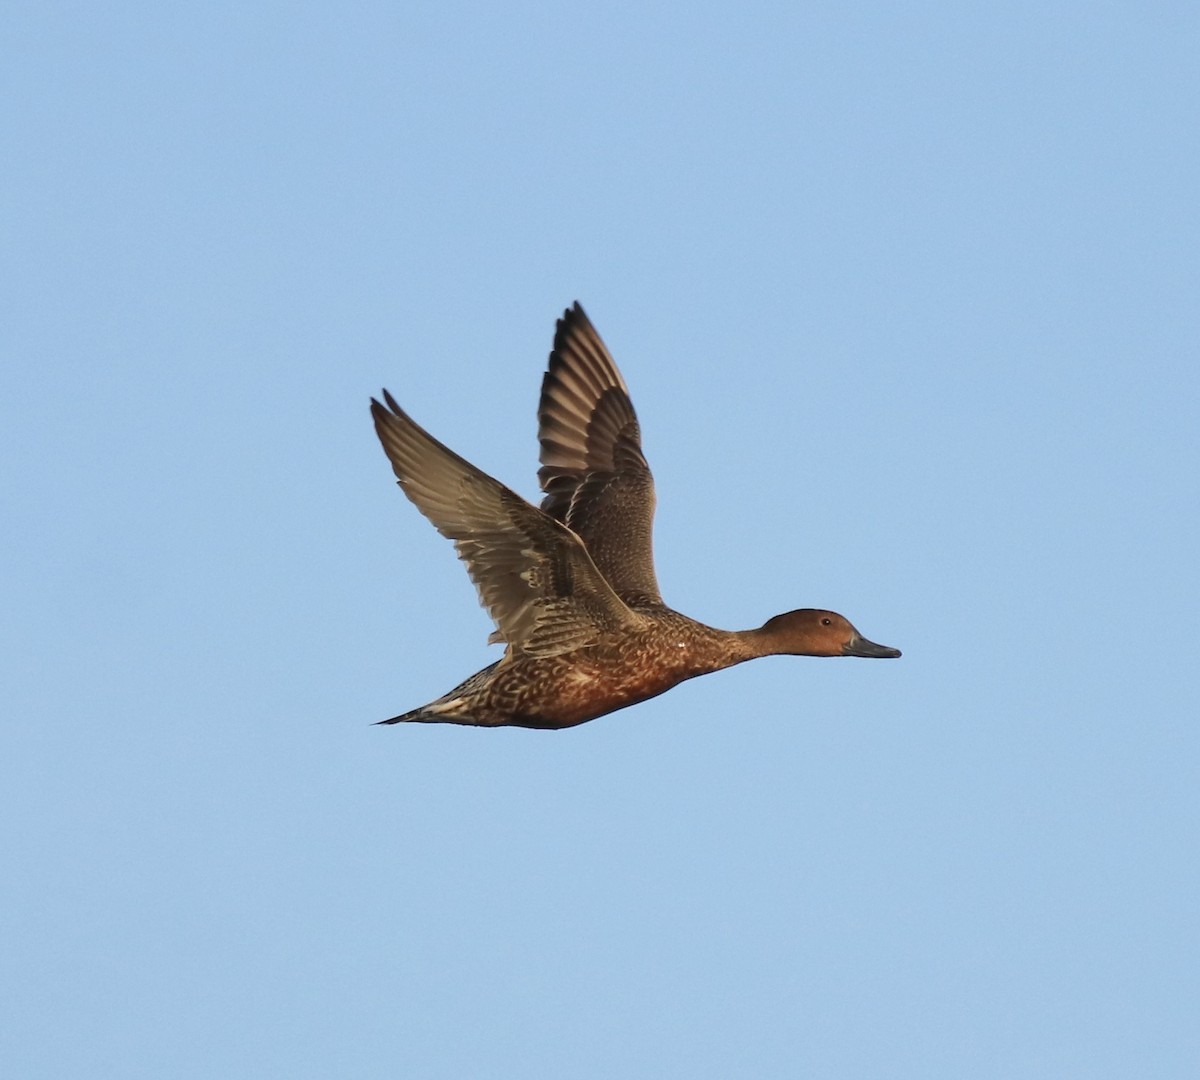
column 412, row 714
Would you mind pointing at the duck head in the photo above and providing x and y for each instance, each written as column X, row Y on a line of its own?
column 814, row 632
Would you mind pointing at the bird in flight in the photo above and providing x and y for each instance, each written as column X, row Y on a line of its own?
column 571, row 586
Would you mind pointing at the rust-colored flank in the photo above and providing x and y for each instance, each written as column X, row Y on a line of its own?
column 571, row 586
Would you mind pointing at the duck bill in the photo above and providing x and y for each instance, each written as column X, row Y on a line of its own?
column 860, row 646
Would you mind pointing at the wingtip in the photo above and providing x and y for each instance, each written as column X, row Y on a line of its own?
column 386, row 409
column 573, row 314
column 574, row 319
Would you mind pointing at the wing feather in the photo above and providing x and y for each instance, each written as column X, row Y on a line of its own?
column 533, row 574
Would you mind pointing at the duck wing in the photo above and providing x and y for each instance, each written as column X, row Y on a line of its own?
column 533, row 574
column 594, row 474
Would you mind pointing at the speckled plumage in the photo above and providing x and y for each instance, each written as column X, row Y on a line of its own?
column 571, row 586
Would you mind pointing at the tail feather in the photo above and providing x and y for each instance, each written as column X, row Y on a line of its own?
column 412, row 714
column 447, row 710
column 456, row 707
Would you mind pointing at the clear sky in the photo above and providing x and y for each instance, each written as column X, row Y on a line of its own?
column 907, row 298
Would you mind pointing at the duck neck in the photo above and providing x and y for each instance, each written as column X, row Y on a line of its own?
column 770, row 640
column 756, row 642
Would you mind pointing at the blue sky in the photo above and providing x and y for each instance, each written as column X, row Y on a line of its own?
column 906, row 299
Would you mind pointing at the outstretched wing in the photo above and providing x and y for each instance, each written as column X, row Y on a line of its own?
column 533, row 574
column 593, row 472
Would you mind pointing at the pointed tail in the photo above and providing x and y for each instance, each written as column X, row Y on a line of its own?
column 412, row 714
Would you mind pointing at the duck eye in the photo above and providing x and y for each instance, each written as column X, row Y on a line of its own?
column 826, row 621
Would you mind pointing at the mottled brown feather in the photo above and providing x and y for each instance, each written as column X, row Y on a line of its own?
column 594, row 474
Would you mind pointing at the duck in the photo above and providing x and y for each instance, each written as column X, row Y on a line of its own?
column 570, row 585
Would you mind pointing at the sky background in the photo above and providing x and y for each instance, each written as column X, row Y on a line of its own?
column 907, row 301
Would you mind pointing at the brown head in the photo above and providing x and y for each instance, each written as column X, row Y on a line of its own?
column 813, row 632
